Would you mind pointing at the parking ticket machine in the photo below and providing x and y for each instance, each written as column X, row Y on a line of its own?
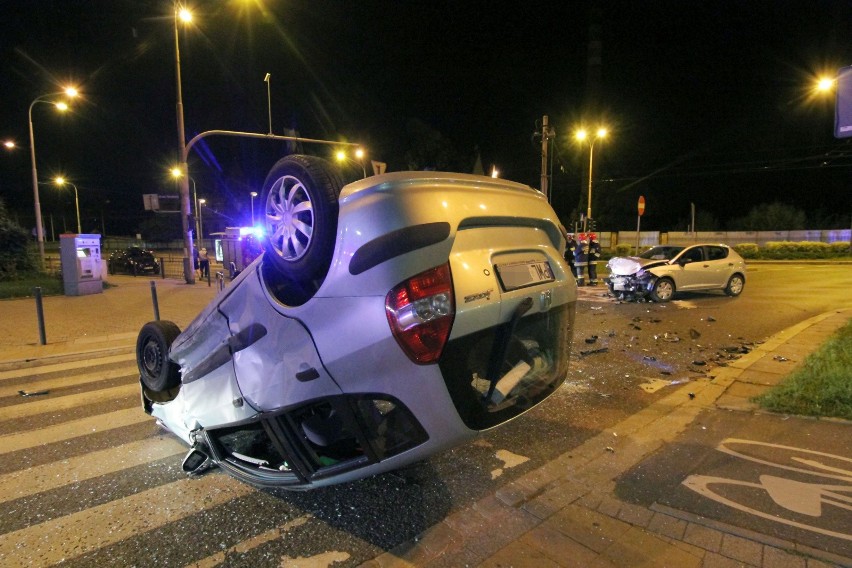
column 81, row 264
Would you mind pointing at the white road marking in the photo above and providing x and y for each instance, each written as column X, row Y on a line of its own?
column 77, row 534
column 81, row 468
column 72, row 429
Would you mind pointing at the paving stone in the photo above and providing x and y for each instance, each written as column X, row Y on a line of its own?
column 703, row 537
column 462, row 558
column 638, row 547
column 559, row 547
column 635, row 514
column 714, row 560
column 610, row 506
column 554, row 499
column 519, row 555
column 777, row 558
column 390, row 560
column 590, row 528
column 668, row 526
column 514, row 493
column 441, row 538
column 742, row 549
column 467, row 522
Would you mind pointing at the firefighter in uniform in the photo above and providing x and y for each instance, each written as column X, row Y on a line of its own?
column 570, row 248
column 594, row 256
column 581, row 258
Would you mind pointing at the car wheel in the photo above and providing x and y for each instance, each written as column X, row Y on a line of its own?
column 152, row 356
column 663, row 291
column 735, row 285
column 300, row 216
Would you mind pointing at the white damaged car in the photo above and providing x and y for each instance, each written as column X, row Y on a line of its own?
column 662, row 271
column 386, row 320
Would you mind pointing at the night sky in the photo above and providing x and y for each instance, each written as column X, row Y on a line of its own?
column 708, row 103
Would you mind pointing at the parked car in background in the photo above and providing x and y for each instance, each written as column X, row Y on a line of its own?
column 385, row 321
column 133, row 260
column 662, row 271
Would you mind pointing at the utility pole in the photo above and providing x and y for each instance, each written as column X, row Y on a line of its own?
column 546, row 134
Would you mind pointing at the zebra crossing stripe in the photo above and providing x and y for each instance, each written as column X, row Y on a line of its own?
column 72, row 381
column 73, row 429
column 89, row 466
column 249, row 544
column 86, row 531
column 69, row 366
column 34, row 407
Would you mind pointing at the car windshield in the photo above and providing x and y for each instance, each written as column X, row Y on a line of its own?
column 661, row 253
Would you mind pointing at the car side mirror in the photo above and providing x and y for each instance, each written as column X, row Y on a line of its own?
column 684, row 261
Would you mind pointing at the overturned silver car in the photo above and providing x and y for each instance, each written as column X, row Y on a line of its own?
column 386, row 320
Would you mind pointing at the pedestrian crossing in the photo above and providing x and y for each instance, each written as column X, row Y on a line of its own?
column 87, row 478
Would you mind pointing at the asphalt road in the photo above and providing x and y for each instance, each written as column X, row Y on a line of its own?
column 90, row 463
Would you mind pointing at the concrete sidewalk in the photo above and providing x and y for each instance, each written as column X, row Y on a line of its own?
column 562, row 514
column 77, row 327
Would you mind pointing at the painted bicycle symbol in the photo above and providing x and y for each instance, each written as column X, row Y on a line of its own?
column 807, row 499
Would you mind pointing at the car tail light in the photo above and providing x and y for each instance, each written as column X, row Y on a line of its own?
column 420, row 313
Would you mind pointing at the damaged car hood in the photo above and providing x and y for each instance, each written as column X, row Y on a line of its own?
column 627, row 265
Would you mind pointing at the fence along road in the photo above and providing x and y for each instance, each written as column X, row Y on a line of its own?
column 86, row 478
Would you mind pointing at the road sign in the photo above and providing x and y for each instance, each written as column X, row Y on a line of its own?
column 641, row 205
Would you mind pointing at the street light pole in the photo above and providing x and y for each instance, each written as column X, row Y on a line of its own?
column 62, row 181
column 253, row 194
column 188, row 272
column 582, row 135
column 71, row 92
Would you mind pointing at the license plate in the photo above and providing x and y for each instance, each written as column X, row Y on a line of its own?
column 618, row 284
column 522, row 274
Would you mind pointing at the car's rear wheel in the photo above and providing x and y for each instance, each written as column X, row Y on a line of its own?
column 300, row 216
column 157, row 372
column 663, row 291
column 735, row 285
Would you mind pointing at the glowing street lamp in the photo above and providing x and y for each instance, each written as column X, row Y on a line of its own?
column 62, row 106
column 359, row 155
column 60, row 181
column 825, row 84
column 581, row 135
column 253, row 194
column 201, row 203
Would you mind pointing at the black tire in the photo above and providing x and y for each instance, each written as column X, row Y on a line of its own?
column 663, row 290
column 300, row 207
column 735, row 286
column 156, row 371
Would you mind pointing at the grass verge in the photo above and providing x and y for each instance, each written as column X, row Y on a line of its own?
column 822, row 386
column 23, row 286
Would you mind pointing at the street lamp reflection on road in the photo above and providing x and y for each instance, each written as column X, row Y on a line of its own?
column 60, row 181
column 70, row 92
column 581, row 135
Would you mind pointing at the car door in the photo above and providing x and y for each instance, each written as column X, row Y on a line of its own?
column 720, row 266
column 692, row 271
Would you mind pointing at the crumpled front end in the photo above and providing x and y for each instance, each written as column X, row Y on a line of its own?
column 630, row 278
